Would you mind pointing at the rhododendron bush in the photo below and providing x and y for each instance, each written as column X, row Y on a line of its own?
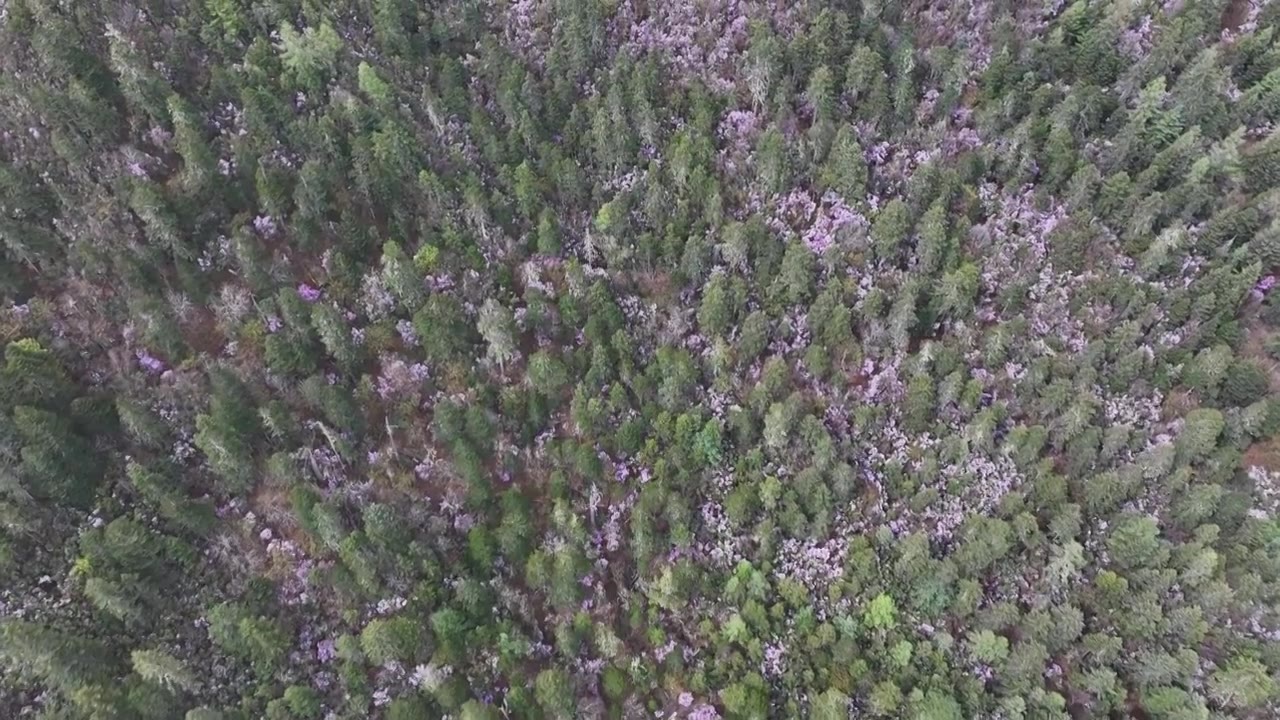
column 549, row 359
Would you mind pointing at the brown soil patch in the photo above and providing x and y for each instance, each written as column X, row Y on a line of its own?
column 1254, row 347
column 655, row 285
column 1178, row 403
column 1266, row 453
column 1234, row 15
column 1263, row 454
column 271, row 503
column 201, row 332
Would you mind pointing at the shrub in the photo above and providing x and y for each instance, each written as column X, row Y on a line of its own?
column 1245, row 383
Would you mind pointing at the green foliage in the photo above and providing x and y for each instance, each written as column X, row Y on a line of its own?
column 61, row 660
column 919, row 403
column 795, row 279
column 372, row 85
column 555, row 694
column 1134, row 541
column 880, row 614
column 303, row 702
column 311, row 54
column 1244, row 383
column 227, row 432
column 1199, row 433
column 441, row 320
column 1262, row 164
column 495, row 326
column 257, row 639
column 333, row 332
column 32, row 376
column 830, row 705
column 937, row 705
column 988, row 647
column 547, row 373
column 391, row 639
column 164, row 670
column 199, row 164
column 56, row 462
column 845, row 170
column 889, row 228
column 1241, row 683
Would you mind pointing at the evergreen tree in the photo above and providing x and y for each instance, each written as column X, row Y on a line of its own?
column 227, row 432
column 63, row 660
column 496, row 327
column 164, row 670
column 845, row 169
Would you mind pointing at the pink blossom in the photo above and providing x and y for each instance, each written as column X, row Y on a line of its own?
column 265, row 225
column 1136, row 41
column 326, row 650
column 704, row 712
column 149, row 362
column 308, row 293
column 1263, row 287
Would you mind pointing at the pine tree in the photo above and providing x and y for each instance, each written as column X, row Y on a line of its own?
column 442, row 320
column 401, row 277
column 866, row 84
column 335, row 333
column 555, row 694
column 198, row 160
column 903, row 315
column 820, row 96
column 33, row 376
column 1244, row 383
column 1262, row 164
column 1200, row 93
column 227, row 432
column 772, row 160
column 65, row 661
column 114, row 599
column 890, row 227
column 161, row 668
column 932, row 247
column 496, row 326
column 830, row 705
column 139, row 82
column 715, row 314
column 905, row 91
column 1236, row 224
column 1261, row 103
column 763, row 63
column 159, row 220
column 1242, row 683
column 845, row 169
column 794, row 284
column 919, row 403
column 57, row 463
column 1199, row 433
column 1060, row 156
column 25, row 222
column 311, row 54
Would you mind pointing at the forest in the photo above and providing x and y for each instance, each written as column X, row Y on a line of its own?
column 622, row 359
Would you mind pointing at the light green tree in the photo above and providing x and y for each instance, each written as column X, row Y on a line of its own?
column 164, row 670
